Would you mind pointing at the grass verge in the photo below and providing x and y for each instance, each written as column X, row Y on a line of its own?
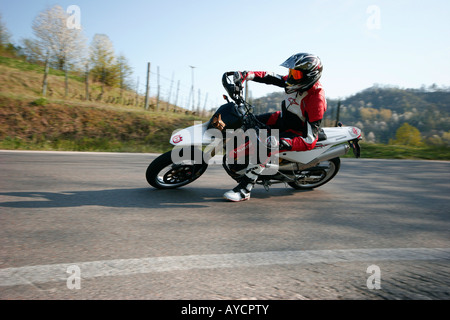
column 46, row 125
column 383, row 151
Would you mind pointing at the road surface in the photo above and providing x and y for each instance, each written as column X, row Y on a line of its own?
column 88, row 226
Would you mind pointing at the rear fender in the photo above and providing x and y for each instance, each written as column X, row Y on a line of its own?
column 335, row 136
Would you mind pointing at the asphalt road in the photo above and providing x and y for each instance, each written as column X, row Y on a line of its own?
column 88, row 226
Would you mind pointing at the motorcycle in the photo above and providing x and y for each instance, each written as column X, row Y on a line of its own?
column 195, row 146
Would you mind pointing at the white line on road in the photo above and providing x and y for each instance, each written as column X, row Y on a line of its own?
column 123, row 267
column 216, row 159
column 80, row 152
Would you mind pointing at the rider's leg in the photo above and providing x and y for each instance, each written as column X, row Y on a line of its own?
column 242, row 191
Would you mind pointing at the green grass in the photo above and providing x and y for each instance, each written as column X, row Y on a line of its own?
column 383, row 151
column 82, row 144
column 43, row 124
column 26, row 66
column 74, row 125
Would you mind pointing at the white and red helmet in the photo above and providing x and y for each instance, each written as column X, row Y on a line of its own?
column 305, row 70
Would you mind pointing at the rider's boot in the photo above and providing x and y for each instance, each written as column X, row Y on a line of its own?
column 242, row 191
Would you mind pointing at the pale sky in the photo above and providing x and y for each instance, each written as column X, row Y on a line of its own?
column 398, row 42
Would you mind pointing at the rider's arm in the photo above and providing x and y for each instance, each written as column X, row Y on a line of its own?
column 264, row 77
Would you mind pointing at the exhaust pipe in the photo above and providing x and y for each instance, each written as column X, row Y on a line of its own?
column 327, row 155
column 333, row 153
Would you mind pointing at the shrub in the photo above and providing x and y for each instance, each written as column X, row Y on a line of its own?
column 40, row 102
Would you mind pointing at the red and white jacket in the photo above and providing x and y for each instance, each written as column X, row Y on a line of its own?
column 301, row 112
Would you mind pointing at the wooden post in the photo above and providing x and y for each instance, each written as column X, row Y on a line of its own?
column 170, row 94
column 199, row 98
column 337, row 112
column 157, row 96
column 191, row 94
column 44, row 82
column 137, row 92
column 66, row 80
column 204, row 106
column 147, row 90
column 176, row 97
column 87, row 82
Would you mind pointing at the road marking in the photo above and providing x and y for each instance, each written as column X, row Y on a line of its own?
column 123, row 267
column 217, row 159
column 81, row 152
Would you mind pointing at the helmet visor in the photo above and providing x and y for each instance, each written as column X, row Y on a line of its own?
column 295, row 74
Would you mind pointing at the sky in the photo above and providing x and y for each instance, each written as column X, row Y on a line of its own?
column 403, row 43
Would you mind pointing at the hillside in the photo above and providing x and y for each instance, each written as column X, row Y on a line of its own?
column 116, row 121
column 380, row 111
column 105, row 122
column 70, row 126
column 20, row 78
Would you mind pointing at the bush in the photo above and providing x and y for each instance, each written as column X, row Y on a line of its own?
column 408, row 135
column 40, row 102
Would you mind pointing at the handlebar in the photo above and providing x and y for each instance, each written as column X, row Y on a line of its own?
column 235, row 91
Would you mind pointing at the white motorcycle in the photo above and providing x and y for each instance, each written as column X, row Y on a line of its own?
column 196, row 145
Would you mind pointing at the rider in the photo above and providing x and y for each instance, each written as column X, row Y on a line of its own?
column 300, row 117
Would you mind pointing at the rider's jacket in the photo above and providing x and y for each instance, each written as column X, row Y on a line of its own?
column 301, row 112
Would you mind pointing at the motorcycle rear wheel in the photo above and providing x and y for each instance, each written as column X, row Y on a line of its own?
column 317, row 176
column 162, row 173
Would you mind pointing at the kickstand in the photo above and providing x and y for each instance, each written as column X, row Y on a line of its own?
column 266, row 185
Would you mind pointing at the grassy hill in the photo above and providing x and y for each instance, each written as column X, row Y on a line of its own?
column 104, row 123
column 32, row 125
column 109, row 122
column 382, row 110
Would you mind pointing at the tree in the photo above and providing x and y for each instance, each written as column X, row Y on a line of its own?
column 408, row 135
column 4, row 35
column 446, row 138
column 32, row 51
column 61, row 45
column 125, row 72
column 385, row 114
column 104, row 67
column 368, row 113
column 370, row 137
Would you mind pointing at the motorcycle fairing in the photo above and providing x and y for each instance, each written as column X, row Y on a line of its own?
column 335, row 135
column 198, row 134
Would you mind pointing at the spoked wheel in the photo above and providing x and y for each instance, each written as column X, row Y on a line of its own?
column 162, row 173
column 317, row 176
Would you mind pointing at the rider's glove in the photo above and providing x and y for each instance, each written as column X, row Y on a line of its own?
column 239, row 77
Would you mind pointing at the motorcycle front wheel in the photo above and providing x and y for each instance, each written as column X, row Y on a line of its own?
column 317, row 176
column 163, row 173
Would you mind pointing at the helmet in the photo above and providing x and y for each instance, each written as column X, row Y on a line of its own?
column 305, row 70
